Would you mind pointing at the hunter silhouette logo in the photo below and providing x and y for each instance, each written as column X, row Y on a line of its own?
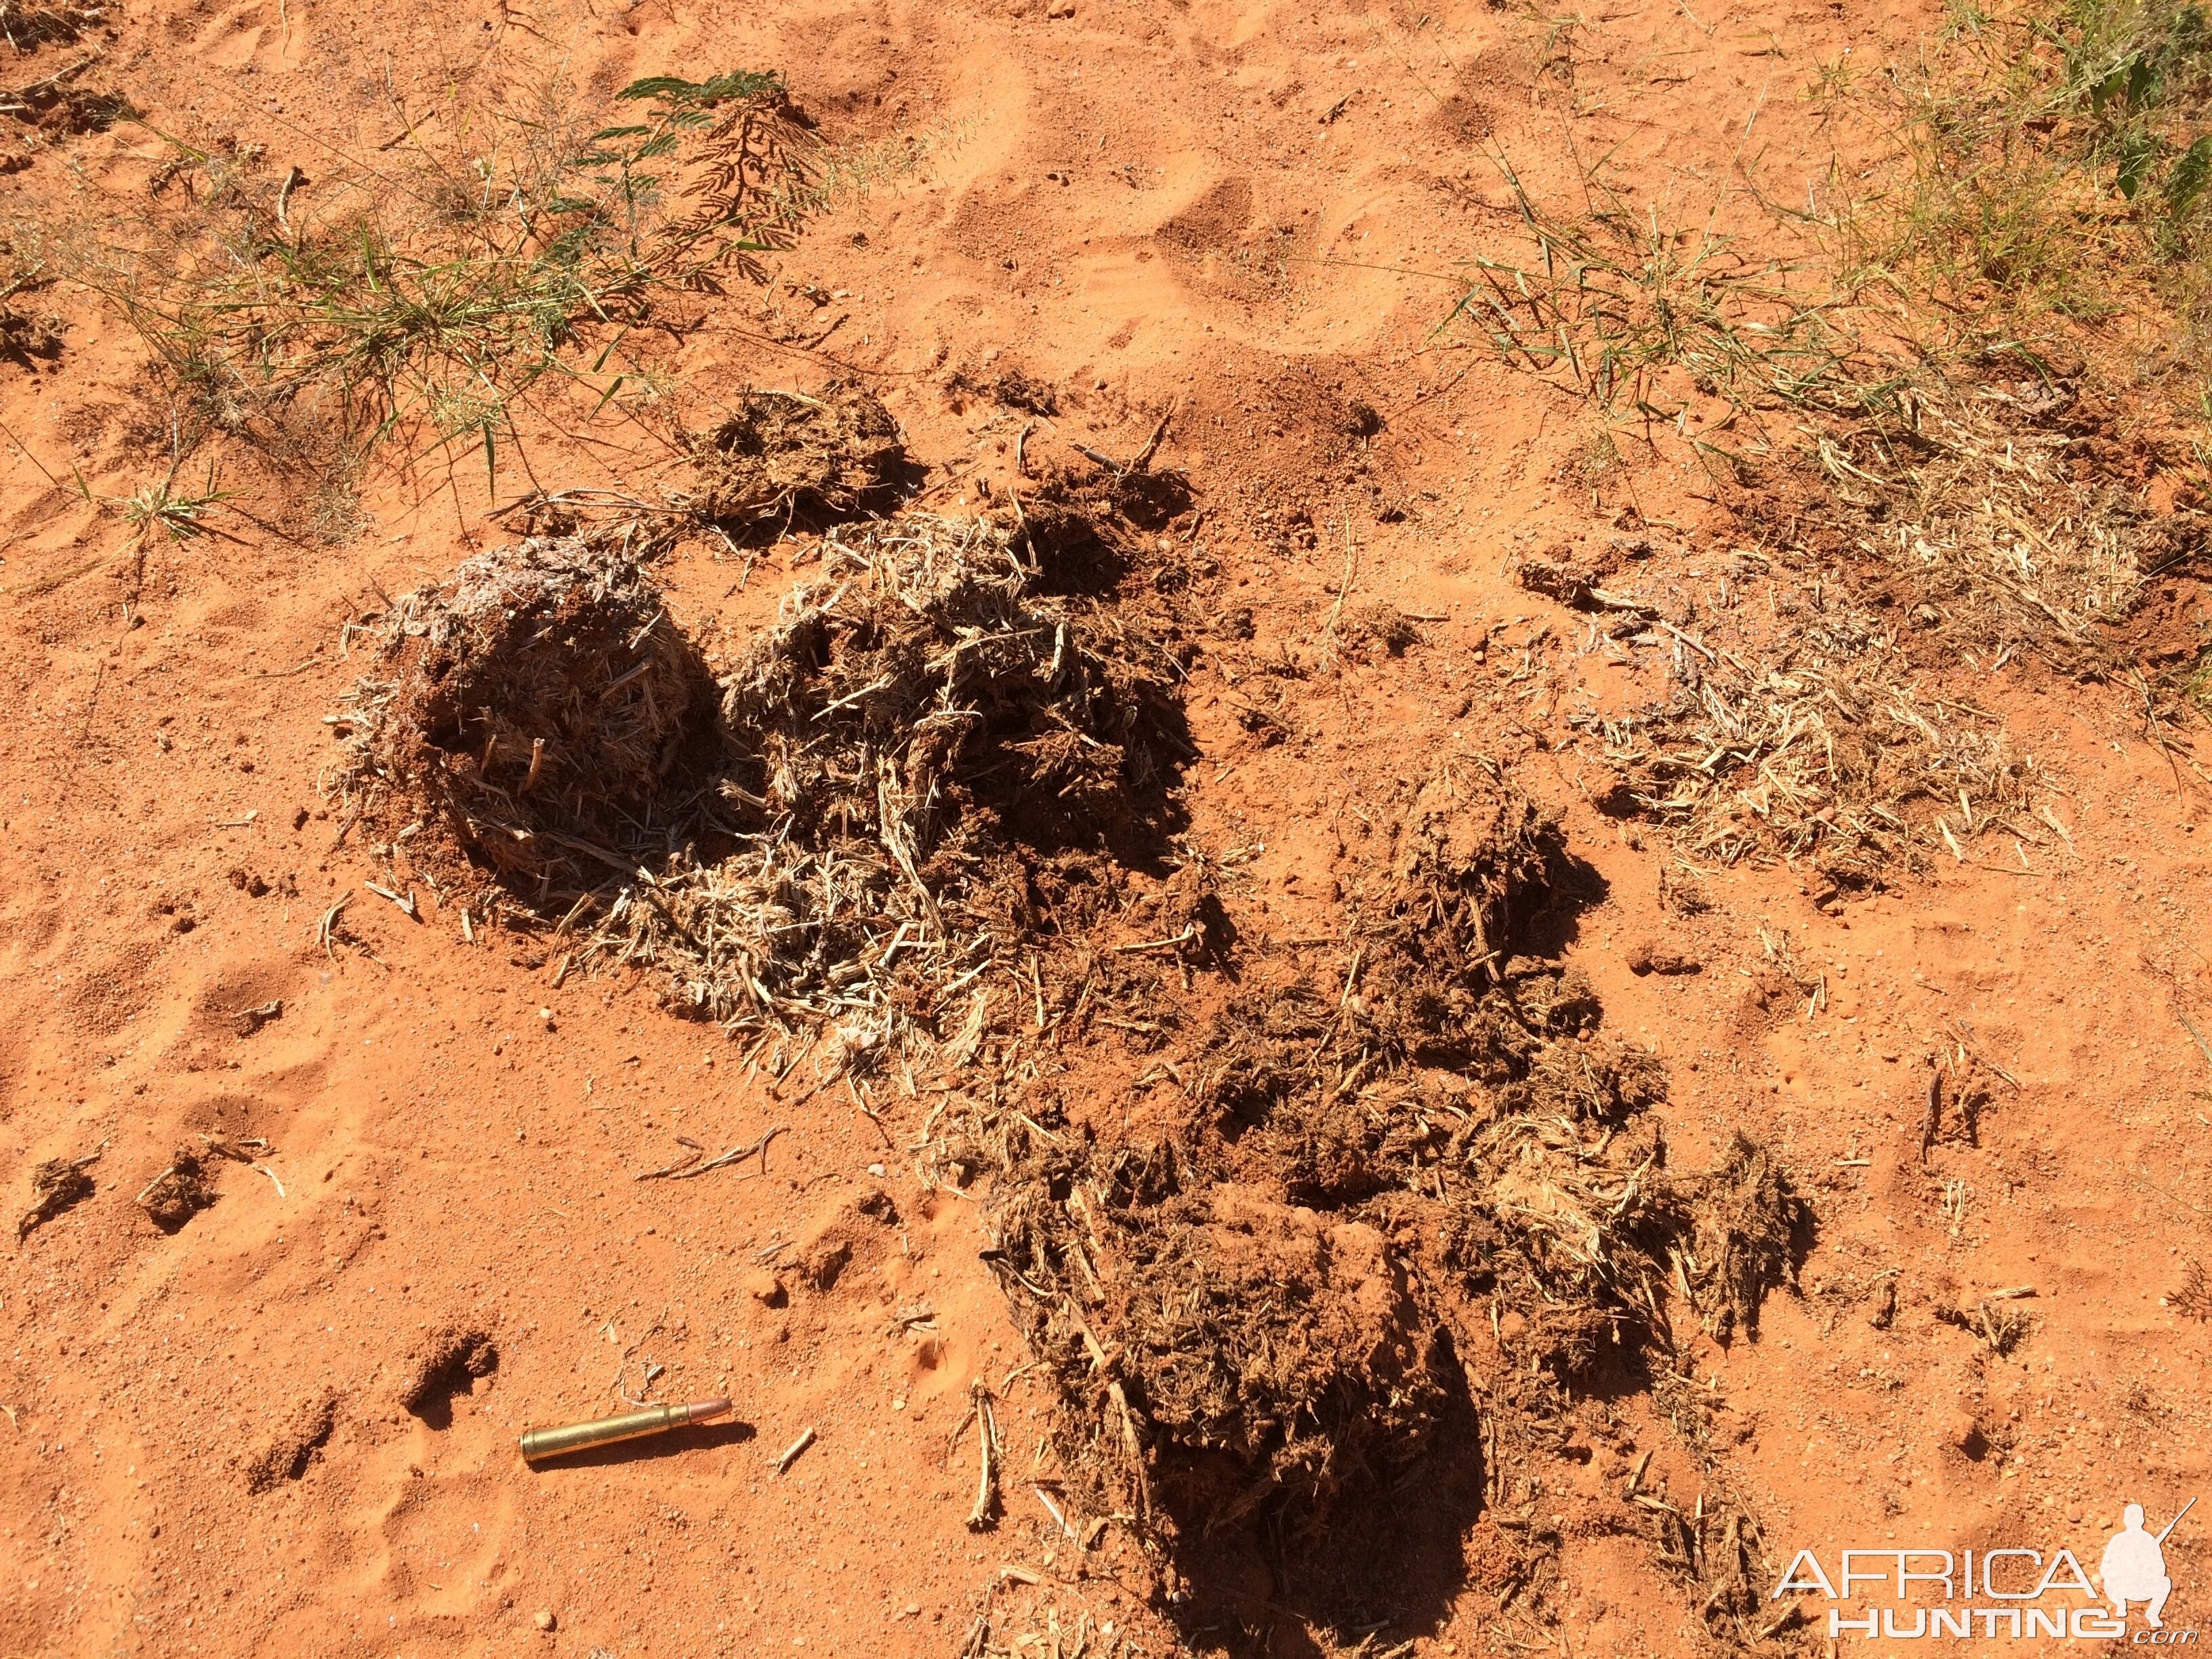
column 2134, row 1567
column 2010, row 1592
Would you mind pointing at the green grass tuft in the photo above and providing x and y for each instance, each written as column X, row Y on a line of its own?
column 424, row 296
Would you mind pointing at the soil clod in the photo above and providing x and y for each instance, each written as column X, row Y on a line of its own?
column 783, row 458
column 545, row 710
column 179, row 1193
column 1264, row 1311
column 56, row 1184
column 1653, row 956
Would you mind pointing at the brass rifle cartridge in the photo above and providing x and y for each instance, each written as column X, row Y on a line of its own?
column 606, row 1430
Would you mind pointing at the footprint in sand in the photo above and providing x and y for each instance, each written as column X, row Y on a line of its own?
column 437, row 1527
column 266, row 35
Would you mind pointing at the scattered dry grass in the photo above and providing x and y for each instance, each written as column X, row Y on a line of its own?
column 1933, row 341
column 825, row 837
column 2003, row 542
column 919, row 708
column 1739, row 1228
column 1818, row 746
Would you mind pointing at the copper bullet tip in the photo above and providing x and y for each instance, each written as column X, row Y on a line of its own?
column 700, row 1410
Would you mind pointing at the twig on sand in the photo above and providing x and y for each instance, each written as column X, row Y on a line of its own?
column 681, row 1165
column 1059, row 1515
column 1144, row 456
column 1183, row 938
column 736, row 1155
column 1328, row 653
column 791, row 1453
column 326, row 929
column 407, row 906
column 2204, row 1047
column 1152, row 444
column 986, row 1438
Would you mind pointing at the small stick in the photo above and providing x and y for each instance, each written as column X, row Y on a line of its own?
column 1343, row 589
column 2204, row 1046
column 870, row 1113
column 154, row 1182
column 1152, row 444
column 1183, row 938
column 736, row 1155
column 1054, row 1511
column 406, row 905
column 791, row 1452
column 1930, row 1124
column 2176, row 1522
column 293, row 176
column 325, row 930
column 1136, row 1449
column 987, row 1435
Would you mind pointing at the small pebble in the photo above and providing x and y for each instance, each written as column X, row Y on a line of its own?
column 545, row 1620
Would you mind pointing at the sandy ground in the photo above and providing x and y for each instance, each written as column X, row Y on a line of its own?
column 1240, row 209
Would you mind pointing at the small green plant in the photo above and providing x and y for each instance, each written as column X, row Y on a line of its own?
column 177, row 514
column 425, row 299
column 1639, row 312
column 2050, row 168
column 2053, row 169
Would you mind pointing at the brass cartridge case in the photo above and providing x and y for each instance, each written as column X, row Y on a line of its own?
column 606, row 1430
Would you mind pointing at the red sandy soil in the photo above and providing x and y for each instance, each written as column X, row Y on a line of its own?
column 1224, row 207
